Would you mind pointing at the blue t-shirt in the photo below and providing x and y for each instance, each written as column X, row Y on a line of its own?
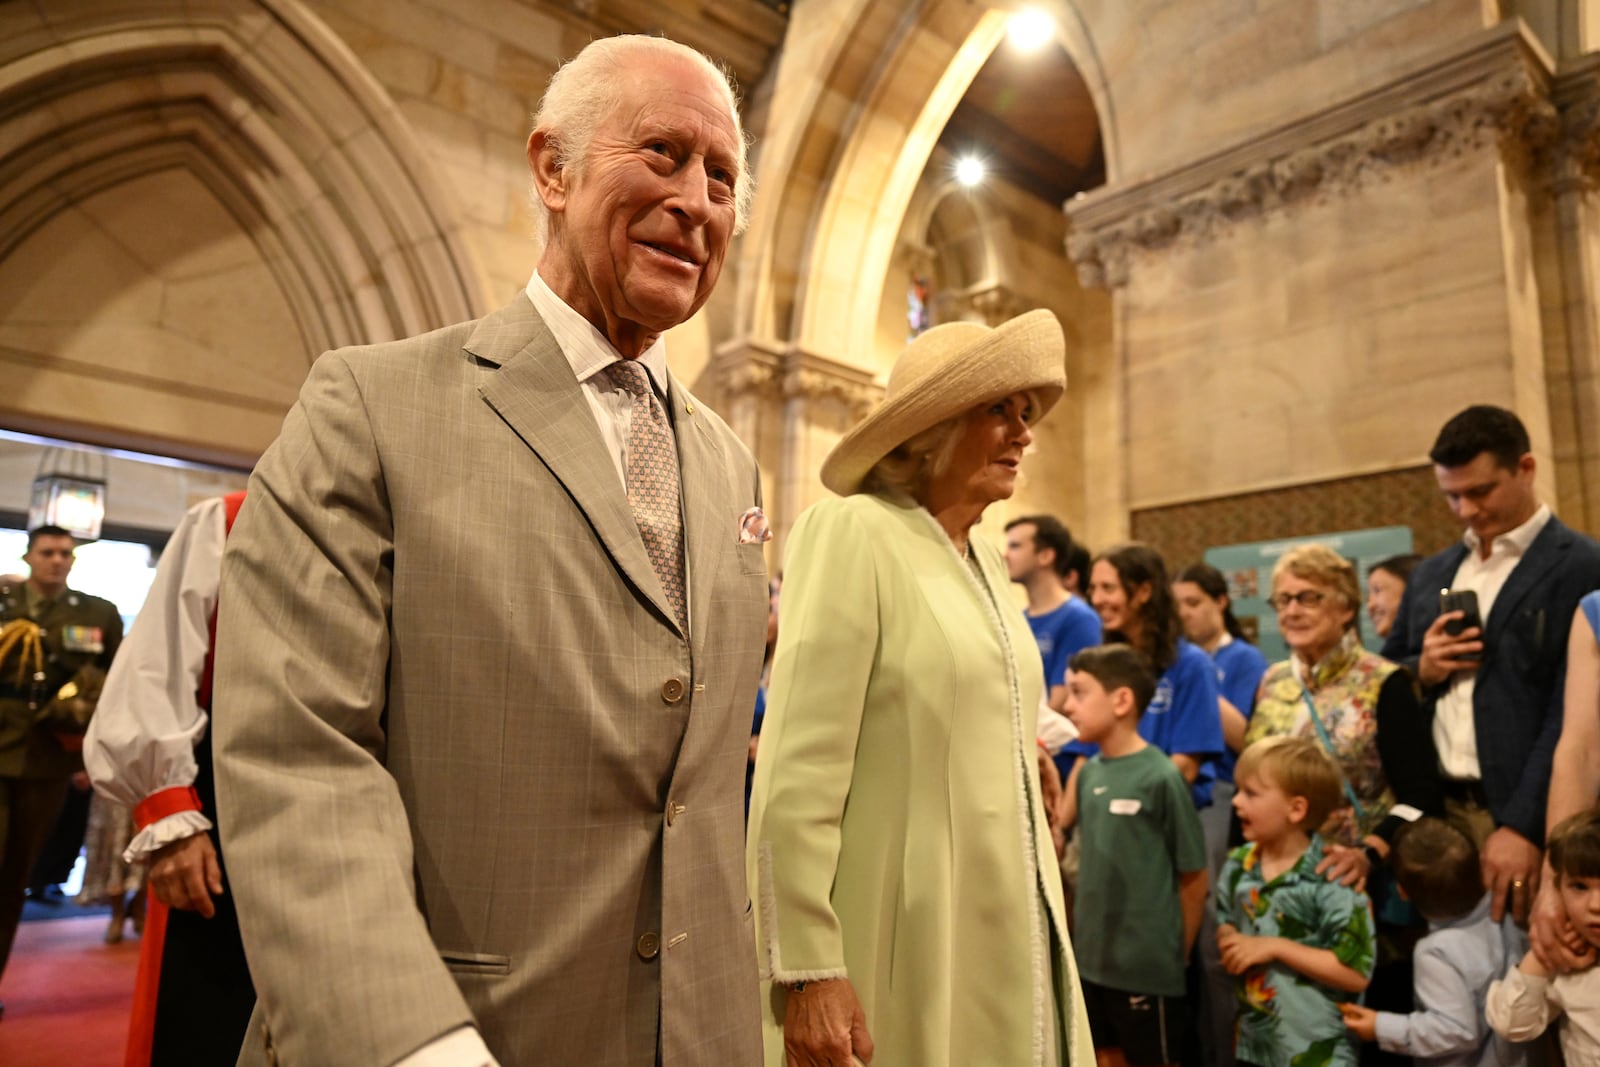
column 1591, row 610
column 1240, row 666
column 1183, row 717
column 1061, row 633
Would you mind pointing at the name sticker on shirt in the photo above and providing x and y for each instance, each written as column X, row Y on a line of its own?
column 82, row 639
column 1124, row 806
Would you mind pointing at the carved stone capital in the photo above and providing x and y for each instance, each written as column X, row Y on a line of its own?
column 746, row 367
column 1574, row 153
column 825, row 382
column 1493, row 91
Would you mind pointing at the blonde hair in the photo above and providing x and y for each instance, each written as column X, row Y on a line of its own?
column 911, row 465
column 1323, row 566
column 1301, row 769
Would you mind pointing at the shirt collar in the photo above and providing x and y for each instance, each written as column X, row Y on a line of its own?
column 585, row 347
column 1305, row 868
column 1479, row 913
column 1516, row 540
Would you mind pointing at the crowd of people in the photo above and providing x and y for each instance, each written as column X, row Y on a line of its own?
column 1266, row 864
column 443, row 726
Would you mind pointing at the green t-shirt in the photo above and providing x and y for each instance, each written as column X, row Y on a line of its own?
column 1137, row 831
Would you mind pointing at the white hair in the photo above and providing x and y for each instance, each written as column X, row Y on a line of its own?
column 585, row 91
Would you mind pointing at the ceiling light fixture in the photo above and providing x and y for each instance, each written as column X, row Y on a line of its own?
column 969, row 171
column 1030, row 30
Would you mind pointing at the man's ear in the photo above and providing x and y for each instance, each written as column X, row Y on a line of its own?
column 549, row 177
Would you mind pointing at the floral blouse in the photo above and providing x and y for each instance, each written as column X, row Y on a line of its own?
column 1346, row 687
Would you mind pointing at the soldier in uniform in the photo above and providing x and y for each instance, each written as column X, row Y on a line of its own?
column 48, row 633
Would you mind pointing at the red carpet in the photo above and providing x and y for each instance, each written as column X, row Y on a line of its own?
column 67, row 996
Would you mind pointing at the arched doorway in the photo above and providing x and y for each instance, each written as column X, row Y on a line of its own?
column 823, row 270
column 191, row 209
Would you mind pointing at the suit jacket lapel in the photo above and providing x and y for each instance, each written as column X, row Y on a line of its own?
column 536, row 394
column 708, row 529
column 1544, row 554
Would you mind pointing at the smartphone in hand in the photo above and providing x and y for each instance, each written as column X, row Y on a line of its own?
column 1466, row 602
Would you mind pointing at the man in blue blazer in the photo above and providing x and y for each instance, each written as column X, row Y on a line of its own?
column 1495, row 694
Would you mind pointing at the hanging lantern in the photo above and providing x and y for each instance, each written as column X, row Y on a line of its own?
column 67, row 493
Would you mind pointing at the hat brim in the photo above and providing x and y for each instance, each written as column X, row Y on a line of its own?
column 1024, row 354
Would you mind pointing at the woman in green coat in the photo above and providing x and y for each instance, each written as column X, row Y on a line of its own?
column 908, row 903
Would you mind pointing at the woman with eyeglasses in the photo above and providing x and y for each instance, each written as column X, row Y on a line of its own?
column 1359, row 707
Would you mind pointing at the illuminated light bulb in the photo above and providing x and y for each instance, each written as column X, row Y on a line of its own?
column 969, row 170
column 1030, row 30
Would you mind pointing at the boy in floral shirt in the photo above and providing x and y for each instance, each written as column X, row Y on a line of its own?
column 1297, row 944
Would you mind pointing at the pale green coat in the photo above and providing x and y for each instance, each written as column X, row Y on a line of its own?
column 896, row 832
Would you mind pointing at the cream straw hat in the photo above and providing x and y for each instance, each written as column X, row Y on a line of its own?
column 946, row 371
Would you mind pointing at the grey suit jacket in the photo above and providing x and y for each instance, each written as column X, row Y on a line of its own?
column 469, row 770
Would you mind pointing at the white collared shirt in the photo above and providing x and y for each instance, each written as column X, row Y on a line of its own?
column 587, row 349
column 1454, row 732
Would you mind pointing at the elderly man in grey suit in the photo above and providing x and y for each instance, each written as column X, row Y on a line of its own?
column 491, row 627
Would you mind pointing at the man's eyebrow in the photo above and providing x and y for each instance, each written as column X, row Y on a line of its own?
column 654, row 129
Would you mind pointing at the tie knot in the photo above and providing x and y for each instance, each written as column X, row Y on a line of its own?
column 630, row 374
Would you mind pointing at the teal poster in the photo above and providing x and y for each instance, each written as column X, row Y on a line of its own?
column 1248, row 568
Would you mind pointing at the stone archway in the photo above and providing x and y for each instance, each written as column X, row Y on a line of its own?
column 196, row 200
column 868, row 98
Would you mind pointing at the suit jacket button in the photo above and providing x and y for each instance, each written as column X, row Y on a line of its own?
column 649, row 945
column 672, row 690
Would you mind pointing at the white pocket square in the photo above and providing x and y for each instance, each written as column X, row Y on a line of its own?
column 753, row 528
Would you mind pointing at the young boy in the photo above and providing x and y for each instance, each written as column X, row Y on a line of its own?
column 1523, row 1004
column 1297, row 944
column 1141, row 876
column 1437, row 869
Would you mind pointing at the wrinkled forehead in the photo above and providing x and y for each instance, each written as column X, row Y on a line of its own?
column 671, row 89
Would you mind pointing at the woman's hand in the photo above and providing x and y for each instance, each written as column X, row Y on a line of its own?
column 1559, row 947
column 823, row 1026
column 1345, row 865
column 1049, row 787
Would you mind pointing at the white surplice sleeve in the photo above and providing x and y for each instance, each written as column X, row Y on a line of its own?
column 142, row 736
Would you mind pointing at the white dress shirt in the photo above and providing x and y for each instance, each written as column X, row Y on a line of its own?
column 1454, row 732
column 142, row 736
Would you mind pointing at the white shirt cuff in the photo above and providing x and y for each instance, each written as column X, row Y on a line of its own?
column 164, row 832
column 461, row 1047
column 1055, row 730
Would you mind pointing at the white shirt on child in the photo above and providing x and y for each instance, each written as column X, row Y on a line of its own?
column 1521, row 1006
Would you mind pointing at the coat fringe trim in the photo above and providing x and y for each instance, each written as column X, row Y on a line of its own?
column 1039, row 951
column 772, row 970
